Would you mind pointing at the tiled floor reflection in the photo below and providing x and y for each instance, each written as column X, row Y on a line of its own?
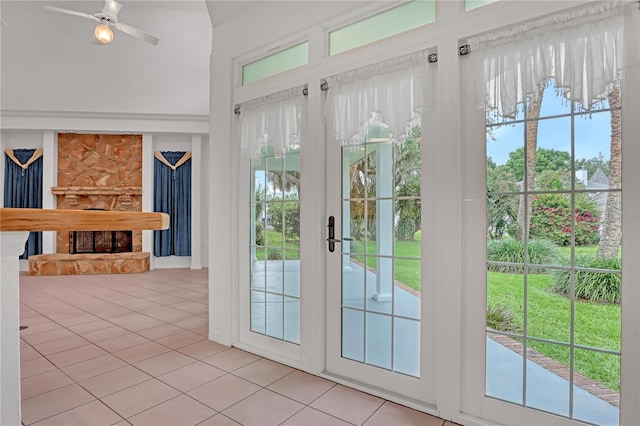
column 133, row 349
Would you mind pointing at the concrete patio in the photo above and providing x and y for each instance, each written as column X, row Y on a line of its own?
column 368, row 337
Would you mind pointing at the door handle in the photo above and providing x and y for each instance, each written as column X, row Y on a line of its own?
column 332, row 240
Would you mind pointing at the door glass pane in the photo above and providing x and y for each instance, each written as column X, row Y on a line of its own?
column 406, row 335
column 378, row 346
column 353, row 334
column 275, row 246
column 382, row 259
column 553, row 258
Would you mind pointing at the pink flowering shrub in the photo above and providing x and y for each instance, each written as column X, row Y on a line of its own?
column 552, row 216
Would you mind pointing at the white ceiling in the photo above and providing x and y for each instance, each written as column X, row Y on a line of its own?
column 49, row 63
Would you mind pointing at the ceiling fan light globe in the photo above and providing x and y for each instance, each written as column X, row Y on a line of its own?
column 103, row 34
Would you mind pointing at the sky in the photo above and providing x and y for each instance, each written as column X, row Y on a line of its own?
column 592, row 131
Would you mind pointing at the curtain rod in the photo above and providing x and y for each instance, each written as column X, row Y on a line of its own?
column 305, row 92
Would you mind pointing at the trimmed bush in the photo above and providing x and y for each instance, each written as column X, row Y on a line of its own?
column 593, row 286
column 541, row 252
column 500, row 318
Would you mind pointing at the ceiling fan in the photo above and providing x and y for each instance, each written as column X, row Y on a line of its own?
column 106, row 19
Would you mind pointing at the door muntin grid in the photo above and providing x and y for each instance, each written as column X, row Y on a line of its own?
column 275, row 246
column 381, row 254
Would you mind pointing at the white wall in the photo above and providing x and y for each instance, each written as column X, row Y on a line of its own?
column 449, row 283
column 50, row 64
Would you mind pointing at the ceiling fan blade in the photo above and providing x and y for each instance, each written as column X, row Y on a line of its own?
column 70, row 12
column 111, row 8
column 136, row 33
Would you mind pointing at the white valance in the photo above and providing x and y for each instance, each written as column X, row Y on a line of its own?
column 272, row 122
column 388, row 94
column 582, row 50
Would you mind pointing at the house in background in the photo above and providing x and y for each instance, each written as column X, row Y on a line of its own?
column 219, row 61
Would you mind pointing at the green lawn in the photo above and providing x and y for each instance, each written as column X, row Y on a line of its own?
column 596, row 325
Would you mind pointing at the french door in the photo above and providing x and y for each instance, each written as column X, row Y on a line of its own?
column 375, row 330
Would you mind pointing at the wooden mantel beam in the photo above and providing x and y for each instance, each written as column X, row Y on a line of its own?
column 79, row 220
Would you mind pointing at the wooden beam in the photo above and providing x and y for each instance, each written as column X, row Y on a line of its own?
column 79, row 220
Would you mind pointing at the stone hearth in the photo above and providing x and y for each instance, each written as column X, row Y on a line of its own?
column 94, row 263
column 96, row 172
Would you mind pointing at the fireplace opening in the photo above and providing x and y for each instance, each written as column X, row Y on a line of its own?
column 100, row 242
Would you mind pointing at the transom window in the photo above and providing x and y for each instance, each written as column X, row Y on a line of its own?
column 394, row 21
column 276, row 63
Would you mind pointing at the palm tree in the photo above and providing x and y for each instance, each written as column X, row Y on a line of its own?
column 612, row 231
column 533, row 113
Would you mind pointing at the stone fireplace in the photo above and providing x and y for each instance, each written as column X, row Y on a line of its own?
column 97, row 172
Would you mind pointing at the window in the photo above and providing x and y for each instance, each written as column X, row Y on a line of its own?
column 553, row 256
column 394, row 21
column 284, row 60
column 474, row 4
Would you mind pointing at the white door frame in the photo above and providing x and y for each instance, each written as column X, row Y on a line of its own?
column 458, row 300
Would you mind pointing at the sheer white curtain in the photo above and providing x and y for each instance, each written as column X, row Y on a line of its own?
column 272, row 123
column 388, row 95
column 581, row 49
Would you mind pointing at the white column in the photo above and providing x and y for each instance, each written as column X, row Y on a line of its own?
column 49, row 179
column 147, row 192
column 384, row 222
column 222, row 203
column 11, row 246
column 196, row 202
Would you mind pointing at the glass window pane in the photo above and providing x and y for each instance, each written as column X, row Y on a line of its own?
column 276, row 63
column 385, row 24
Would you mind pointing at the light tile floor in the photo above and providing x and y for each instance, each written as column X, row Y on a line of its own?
column 133, row 349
